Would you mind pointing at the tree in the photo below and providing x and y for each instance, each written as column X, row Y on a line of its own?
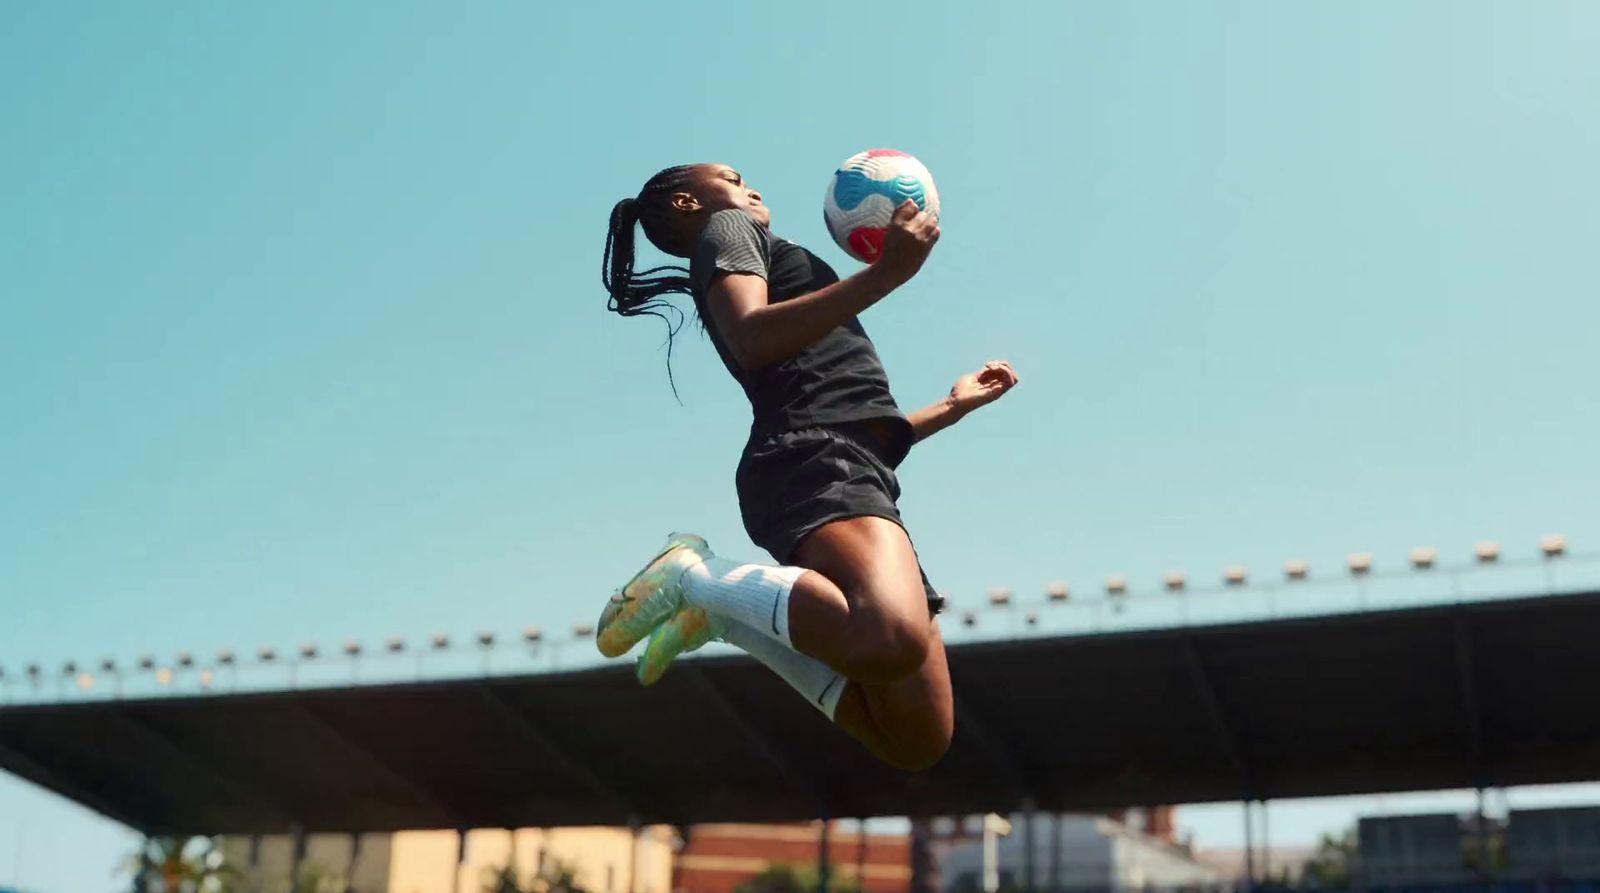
column 1483, row 847
column 793, row 879
column 181, row 865
column 1330, row 863
column 317, row 878
column 557, row 876
column 501, row 880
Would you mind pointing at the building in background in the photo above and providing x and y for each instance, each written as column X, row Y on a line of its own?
column 1086, row 853
column 1533, row 847
column 1411, row 851
column 1553, row 844
column 1278, row 865
column 1080, row 853
column 1532, row 850
column 699, row 859
column 605, row 860
column 718, row 858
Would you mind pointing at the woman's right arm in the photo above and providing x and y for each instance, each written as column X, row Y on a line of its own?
column 760, row 334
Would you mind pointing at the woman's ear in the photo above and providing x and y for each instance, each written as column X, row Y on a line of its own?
column 684, row 202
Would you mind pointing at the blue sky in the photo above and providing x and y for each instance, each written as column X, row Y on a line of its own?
column 304, row 336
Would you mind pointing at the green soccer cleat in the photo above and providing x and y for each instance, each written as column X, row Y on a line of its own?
column 651, row 597
column 688, row 630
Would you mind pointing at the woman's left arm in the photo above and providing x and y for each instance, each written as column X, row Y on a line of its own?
column 971, row 391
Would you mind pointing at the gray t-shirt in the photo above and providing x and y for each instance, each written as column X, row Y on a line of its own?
column 835, row 381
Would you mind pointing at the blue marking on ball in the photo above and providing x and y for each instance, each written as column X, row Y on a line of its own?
column 852, row 187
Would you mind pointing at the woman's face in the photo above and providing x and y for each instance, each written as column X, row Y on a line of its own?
column 718, row 187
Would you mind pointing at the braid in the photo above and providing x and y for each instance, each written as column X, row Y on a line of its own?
column 642, row 293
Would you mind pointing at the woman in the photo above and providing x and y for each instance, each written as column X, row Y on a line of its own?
column 848, row 618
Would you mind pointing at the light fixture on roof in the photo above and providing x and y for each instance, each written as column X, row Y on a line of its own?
column 1359, row 563
column 108, row 666
column 1175, row 580
column 486, row 639
column 1033, row 618
column 580, row 630
column 207, row 677
column 70, row 668
column 147, row 663
column 33, row 672
column 1296, row 569
column 395, row 645
column 1553, row 545
column 309, row 651
column 1424, row 557
column 1117, row 584
column 185, row 659
column 999, row 596
column 1057, row 592
column 532, row 634
column 440, row 641
column 226, row 657
column 267, row 654
column 1235, row 575
column 85, row 681
column 352, row 648
column 164, row 676
column 1488, row 552
column 969, row 619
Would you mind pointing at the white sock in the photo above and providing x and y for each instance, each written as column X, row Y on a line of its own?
column 812, row 678
column 755, row 595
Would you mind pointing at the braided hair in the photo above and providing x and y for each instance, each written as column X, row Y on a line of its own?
column 640, row 293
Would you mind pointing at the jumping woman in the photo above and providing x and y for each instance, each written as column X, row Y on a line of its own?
column 848, row 618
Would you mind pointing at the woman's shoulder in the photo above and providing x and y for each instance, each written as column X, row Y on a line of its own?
column 732, row 242
column 732, row 225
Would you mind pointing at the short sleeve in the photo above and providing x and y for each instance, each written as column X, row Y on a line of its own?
column 732, row 242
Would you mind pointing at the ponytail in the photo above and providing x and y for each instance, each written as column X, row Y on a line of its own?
column 641, row 293
column 631, row 293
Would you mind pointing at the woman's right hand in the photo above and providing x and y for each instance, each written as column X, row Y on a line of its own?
column 911, row 235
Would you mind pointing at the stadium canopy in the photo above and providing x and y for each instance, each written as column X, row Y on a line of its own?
column 1456, row 696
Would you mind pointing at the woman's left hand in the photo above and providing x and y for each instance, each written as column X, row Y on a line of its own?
column 983, row 387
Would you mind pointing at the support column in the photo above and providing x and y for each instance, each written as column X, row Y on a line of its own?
column 1030, row 815
column 513, row 859
column 1480, row 841
column 298, row 860
column 822, row 858
column 924, row 865
column 461, row 859
column 633, row 854
column 991, row 858
column 1055, row 854
column 993, row 827
column 1247, row 882
column 355, row 855
column 1266, row 843
column 861, row 854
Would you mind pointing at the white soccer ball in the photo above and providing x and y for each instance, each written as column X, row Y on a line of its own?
column 863, row 194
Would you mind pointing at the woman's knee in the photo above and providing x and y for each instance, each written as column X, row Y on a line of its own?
column 887, row 646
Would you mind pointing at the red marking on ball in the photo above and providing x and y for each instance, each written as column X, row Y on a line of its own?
column 886, row 153
column 868, row 241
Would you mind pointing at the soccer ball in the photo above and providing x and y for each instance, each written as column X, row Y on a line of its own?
column 863, row 194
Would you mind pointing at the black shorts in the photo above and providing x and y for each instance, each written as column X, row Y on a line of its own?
column 792, row 483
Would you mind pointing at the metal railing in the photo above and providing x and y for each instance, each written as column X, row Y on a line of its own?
column 1118, row 605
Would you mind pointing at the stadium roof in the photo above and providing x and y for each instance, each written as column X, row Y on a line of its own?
column 1493, row 693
